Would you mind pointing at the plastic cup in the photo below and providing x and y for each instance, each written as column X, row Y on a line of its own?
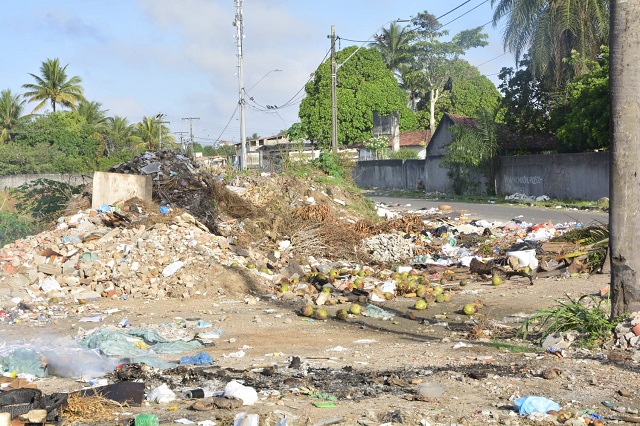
column 430, row 389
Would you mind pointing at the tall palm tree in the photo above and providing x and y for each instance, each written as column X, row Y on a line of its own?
column 53, row 85
column 92, row 112
column 550, row 29
column 393, row 44
column 10, row 111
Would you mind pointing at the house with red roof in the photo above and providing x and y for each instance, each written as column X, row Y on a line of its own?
column 415, row 140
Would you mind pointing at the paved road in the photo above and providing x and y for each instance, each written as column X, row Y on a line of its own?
column 501, row 212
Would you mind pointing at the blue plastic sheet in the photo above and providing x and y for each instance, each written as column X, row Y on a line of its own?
column 201, row 358
column 534, row 404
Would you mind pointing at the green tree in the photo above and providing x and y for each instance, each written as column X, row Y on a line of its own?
column 148, row 132
column 393, row 44
column 470, row 91
column 92, row 112
column 585, row 111
column 10, row 113
column 298, row 132
column 61, row 141
column 120, row 137
column 550, row 30
column 472, row 152
column 364, row 85
column 433, row 59
column 525, row 102
column 53, row 86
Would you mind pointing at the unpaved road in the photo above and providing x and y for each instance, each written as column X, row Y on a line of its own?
column 371, row 365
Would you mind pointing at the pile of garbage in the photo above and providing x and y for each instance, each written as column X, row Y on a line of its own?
column 272, row 229
column 627, row 332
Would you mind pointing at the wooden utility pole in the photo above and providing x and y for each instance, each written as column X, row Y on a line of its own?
column 334, row 97
column 624, row 182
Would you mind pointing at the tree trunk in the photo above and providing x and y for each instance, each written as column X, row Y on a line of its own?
column 624, row 217
column 432, row 109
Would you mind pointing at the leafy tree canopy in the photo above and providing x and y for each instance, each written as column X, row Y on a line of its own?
column 585, row 111
column 470, row 92
column 364, row 85
column 525, row 101
column 435, row 61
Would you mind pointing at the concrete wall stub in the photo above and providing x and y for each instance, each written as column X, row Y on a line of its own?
column 111, row 188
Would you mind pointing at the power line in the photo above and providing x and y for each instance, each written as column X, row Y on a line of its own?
column 492, row 59
column 467, row 12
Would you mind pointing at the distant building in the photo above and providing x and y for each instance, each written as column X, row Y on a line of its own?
column 253, row 145
column 509, row 143
column 415, row 140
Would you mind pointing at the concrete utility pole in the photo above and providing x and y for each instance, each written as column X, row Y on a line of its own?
column 190, row 128
column 160, row 123
column 182, row 139
column 334, row 97
column 239, row 28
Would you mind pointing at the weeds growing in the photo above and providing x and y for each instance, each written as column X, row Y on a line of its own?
column 588, row 315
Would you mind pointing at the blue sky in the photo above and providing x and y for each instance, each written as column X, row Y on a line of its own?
column 179, row 57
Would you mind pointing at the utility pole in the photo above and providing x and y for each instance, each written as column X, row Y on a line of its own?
column 190, row 129
column 160, row 123
column 334, row 97
column 182, row 139
column 624, row 81
column 239, row 28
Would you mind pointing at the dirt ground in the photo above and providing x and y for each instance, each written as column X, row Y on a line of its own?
column 372, row 366
column 362, row 370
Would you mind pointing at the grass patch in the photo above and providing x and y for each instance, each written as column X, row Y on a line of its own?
column 587, row 315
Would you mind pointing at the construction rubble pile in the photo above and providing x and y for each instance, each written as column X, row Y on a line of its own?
column 284, row 239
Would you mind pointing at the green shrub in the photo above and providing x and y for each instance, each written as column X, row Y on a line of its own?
column 404, row 154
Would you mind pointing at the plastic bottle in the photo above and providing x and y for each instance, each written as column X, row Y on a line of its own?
column 146, row 420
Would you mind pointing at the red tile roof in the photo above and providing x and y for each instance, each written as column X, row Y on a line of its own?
column 462, row 120
column 413, row 138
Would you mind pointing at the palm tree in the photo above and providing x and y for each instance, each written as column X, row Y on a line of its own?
column 393, row 44
column 92, row 113
column 149, row 133
column 119, row 135
column 550, row 30
column 10, row 111
column 52, row 85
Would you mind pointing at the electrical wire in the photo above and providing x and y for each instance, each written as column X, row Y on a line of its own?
column 467, row 12
column 228, row 122
column 492, row 59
